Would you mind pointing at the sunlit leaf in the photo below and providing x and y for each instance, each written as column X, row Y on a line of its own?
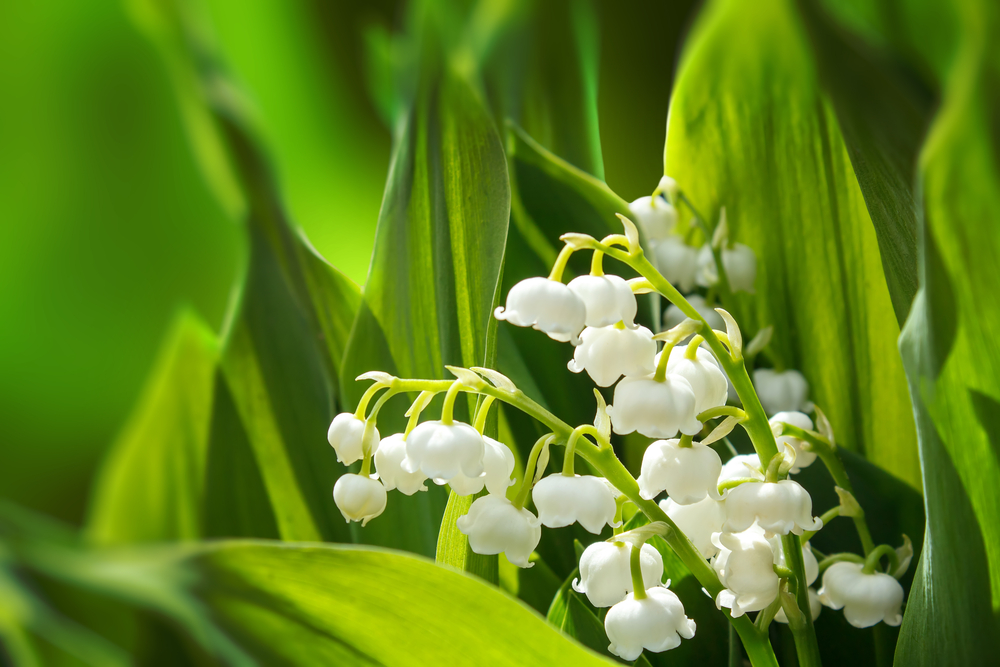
column 751, row 129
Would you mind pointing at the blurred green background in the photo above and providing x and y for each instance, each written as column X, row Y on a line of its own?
column 108, row 227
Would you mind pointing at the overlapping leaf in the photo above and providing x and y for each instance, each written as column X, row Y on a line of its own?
column 750, row 129
column 953, row 365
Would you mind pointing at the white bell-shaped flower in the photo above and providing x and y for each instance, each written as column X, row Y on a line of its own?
column 804, row 456
column 605, row 574
column 388, row 462
column 687, row 474
column 442, row 451
column 777, row 507
column 740, row 467
column 677, row 261
column 359, row 498
column 608, row 298
column 655, row 623
column 745, row 565
column 815, row 607
column 654, row 409
column 699, row 521
column 609, row 353
column 498, row 465
column 711, row 388
column 786, row 391
column 674, row 315
column 655, row 216
column 741, row 267
column 493, row 525
column 865, row 598
column 346, row 436
column 545, row 305
column 562, row 500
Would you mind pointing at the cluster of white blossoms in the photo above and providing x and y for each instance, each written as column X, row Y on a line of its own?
column 733, row 521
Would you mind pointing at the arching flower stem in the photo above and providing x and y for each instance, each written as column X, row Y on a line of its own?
column 872, row 561
column 560, row 264
column 448, row 409
column 483, row 412
column 638, row 585
column 597, row 264
column 691, row 351
column 529, row 470
column 840, row 558
column 831, row 459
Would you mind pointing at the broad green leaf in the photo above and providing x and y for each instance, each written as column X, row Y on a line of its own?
column 288, row 329
column 751, row 129
column 949, row 344
column 582, row 624
column 435, row 267
column 543, row 70
column 883, row 115
column 257, row 602
column 150, row 487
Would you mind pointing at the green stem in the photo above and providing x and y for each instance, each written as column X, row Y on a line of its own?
column 570, row 453
column 806, row 646
column 831, row 459
column 529, row 469
column 560, row 264
column 366, row 399
column 871, row 562
column 635, row 565
column 733, row 483
column 722, row 411
column 619, row 508
column 840, row 558
column 448, row 409
column 720, row 270
column 597, row 264
column 483, row 412
column 685, row 441
column 691, row 351
column 767, row 614
column 827, row 517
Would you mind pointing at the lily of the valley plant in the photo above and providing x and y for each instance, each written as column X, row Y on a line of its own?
column 742, row 527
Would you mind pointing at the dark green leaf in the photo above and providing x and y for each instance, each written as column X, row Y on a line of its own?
column 953, row 365
column 751, row 129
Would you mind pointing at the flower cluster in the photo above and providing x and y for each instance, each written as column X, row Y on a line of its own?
column 734, row 524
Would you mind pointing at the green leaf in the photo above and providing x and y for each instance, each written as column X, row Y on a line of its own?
column 256, row 602
column 435, row 268
column 582, row 624
column 953, row 366
column 150, row 487
column 882, row 115
column 751, row 129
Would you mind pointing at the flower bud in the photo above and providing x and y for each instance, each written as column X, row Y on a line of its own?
column 562, row 500
column 674, row 315
column 605, row 574
column 815, row 607
column 777, row 507
column 745, row 565
column 498, row 465
column 677, row 261
column 346, row 436
column 740, row 263
column 699, row 521
column 687, row 474
column 786, row 391
column 608, row 353
column 804, row 456
column 388, row 463
column 493, row 525
column 359, row 498
column 655, row 215
column 441, row 451
column 711, row 388
column 608, row 298
column 865, row 598
column 741, row 466
column 545, row 305
column 654, row 409
column 656, row 623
